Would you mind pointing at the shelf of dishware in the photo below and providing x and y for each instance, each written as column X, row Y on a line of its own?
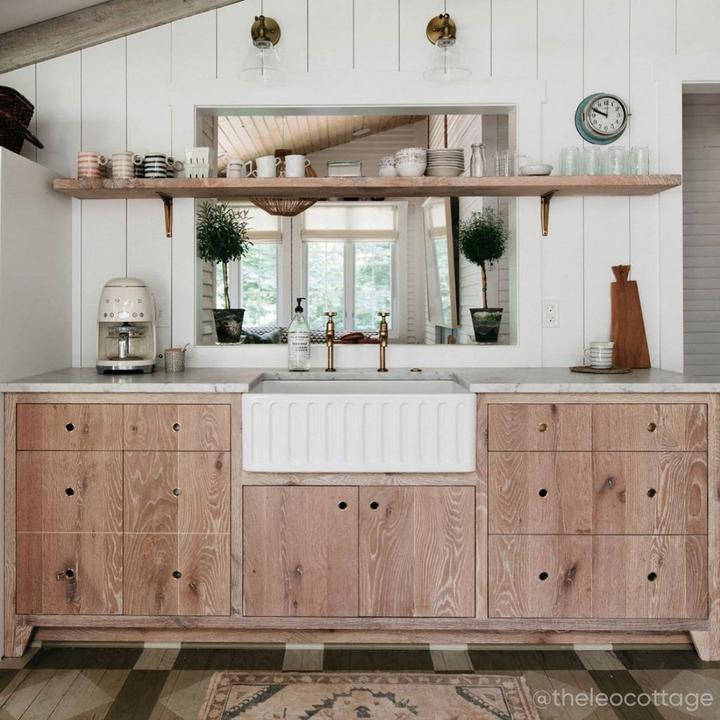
column 365, row 187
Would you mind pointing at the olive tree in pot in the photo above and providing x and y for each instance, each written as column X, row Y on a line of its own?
column 222, row 237
column 483, row 237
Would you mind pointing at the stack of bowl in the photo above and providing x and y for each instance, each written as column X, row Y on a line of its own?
column 411, row 162
column 448, row 162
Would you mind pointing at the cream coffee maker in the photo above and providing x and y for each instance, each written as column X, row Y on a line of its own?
column 126, row 327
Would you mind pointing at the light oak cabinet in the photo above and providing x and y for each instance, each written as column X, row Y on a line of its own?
column 373, row 551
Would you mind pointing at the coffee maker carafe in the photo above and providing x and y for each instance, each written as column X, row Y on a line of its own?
column 126, row 327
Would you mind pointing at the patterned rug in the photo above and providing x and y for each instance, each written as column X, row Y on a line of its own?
column 381, row 696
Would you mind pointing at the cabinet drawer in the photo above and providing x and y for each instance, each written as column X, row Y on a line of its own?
column 69, row 427
column 186, row 492
column 177, row 427
column 650, row 427
column 645, row 493
column 661, row 576
column 69, row 573
column 69, row 491
column 540, row 493
column 169, row 574
column 539, row 427
column 540, row 576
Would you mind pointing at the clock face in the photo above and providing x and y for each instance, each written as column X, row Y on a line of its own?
column 601, row 118
column 606, row 115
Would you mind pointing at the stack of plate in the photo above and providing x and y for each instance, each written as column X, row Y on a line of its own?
column 449, row 162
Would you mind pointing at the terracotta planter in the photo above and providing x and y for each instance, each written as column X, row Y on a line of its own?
column 486, row 323
column 228, row 324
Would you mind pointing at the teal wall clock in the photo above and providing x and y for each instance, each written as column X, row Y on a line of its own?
column 601, row 118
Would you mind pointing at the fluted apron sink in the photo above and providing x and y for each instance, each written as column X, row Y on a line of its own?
column 358, row 426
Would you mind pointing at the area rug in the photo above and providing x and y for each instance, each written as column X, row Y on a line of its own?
column 377, row 696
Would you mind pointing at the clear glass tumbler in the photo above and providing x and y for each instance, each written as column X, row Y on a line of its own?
column 594, row 160
column 571, row 161
column 640, row 160
column 617, row 161
column 504, row 163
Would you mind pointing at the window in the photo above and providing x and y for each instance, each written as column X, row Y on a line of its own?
column 349, row 255
column 255, row 282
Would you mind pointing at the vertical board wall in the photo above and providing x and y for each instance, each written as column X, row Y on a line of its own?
column 114, row 97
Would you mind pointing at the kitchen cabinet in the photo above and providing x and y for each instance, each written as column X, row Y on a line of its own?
column 373, row 551
column 417, row 551
column 300, row 551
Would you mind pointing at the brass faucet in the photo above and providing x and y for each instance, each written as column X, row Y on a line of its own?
column 330, row 341
column 383, row 335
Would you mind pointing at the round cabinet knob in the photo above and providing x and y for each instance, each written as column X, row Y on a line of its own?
column 177, row 492
column 177, row 574
column 342, row 505
column 652, row 577
column 652, row 427
column 652, row 492
column 299, row 571
column 542, row 427
column 374, row 505
column 70, row 427
column 69, row 492
column 176, row 427
column 543, row 576
column 542, row 492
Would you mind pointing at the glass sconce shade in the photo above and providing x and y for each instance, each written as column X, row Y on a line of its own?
column 447, row 62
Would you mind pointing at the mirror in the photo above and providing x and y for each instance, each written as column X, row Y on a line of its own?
column 354, row 257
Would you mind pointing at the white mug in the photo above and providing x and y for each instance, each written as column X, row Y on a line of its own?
column 238, row 168
column 267, row 165
column 295, row 165
column 600, row 355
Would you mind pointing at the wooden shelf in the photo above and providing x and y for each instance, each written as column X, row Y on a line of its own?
column 366, row 187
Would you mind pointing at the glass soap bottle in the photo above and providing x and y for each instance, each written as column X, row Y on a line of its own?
column 299, row 341
column 477, row 160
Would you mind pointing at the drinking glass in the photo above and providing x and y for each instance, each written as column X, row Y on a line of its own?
column 594, row 160
column 571, row 161
column 617, row 161
column 504, row 163
column 640, row 160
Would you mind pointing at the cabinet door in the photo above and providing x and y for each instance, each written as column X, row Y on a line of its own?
column 69, row 491
column 69, row 573
column 177, row 427
column 540, row 576
column 204, row 565
column 659, row 576
column 650, row 427
column 640, row 493
column 300, row 548
column 544, row 493
column 69, row 427
column 417, row 551
column 539, row 427
column 151, row 574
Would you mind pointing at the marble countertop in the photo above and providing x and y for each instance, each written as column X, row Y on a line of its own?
column 478, row 380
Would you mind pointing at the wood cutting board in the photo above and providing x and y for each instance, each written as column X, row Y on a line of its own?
column 627, row 326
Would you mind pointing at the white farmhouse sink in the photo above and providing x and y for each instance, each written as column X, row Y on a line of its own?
column 359, row 426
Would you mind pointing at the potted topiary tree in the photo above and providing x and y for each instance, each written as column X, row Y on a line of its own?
column 222, row 238
column 483, row 237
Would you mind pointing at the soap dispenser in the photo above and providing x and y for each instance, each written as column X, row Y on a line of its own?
column 299, row 341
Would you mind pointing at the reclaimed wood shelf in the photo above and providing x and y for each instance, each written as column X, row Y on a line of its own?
column 322, row 188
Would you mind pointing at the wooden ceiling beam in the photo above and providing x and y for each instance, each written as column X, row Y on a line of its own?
column 91, row 26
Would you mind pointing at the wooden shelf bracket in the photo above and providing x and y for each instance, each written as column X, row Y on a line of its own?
column 168, row 209
column 545, row 211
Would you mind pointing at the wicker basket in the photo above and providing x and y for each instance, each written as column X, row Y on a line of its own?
column 16, row 111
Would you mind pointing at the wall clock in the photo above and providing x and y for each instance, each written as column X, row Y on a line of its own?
column 601, row 118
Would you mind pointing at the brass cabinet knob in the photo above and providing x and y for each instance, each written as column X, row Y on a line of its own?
column 177, row 492
column 542, row 427
column 299, row 571
column 176, row 427
column 652, row 427
column 177, row 574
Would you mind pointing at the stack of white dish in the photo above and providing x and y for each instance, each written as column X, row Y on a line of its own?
column 411, row 162
column 448, row 162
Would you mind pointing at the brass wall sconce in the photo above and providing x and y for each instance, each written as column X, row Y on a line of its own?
column 262, row 57
column 446, row 63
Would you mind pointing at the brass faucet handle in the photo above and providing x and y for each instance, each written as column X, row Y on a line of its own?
column 331, row 314
column 383, row 314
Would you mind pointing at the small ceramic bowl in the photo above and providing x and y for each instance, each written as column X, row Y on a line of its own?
column 536, row 169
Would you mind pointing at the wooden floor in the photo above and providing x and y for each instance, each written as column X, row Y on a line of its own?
column 131, row 682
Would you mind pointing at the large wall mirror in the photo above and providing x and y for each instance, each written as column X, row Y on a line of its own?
column 356, row 257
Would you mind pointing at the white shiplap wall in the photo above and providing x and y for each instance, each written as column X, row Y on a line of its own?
column 114, row 96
